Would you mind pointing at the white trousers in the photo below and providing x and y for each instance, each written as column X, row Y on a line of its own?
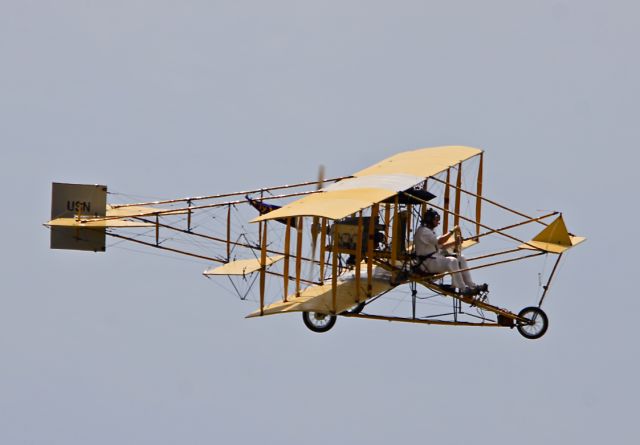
column 439, row 264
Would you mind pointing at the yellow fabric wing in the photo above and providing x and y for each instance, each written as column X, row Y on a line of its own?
column 374, row 184
column 242, row 267
column 319, row 298
column 423, row 162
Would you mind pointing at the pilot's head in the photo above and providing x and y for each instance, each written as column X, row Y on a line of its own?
column 431, row 219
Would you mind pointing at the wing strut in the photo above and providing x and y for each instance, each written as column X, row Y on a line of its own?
column 263, row 266
column 371, row 237
column 479, row 195
column 287, row 250
column 334, row 272
column 229, row 232
column 456, row 216
column 447, row 200
column 323, row 247
column 299, row 225
column 358, row 257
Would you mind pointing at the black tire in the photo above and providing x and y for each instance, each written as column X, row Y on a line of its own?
column 537, row 325
column 357, row 308
column 318, row 322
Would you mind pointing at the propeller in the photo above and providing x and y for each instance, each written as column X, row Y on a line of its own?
column 315, row 225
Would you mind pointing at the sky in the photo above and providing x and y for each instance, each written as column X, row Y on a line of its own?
column 171, row 99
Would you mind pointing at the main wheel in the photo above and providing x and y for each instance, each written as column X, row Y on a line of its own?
column 536, row 324
column 318, row 322
column 357, row 308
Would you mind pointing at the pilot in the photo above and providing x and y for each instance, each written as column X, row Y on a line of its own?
column 429, row 251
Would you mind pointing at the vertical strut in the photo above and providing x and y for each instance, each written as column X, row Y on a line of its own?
column 358, row 256
column 479, row 195
column 189, row 215
column 323, row 247
column 395, row 233
column 387, row 218
column 447, row 202
column 263, row 262
column 299, row 254
column 260, row 224
column 334, row 270
column 409, row 212
column 287, row 249
column 371, row 237
column 157, row 229
column 456, row 218
column 229, row 233
column 423, row 206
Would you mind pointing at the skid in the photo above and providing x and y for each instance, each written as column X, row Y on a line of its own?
column 421, row 320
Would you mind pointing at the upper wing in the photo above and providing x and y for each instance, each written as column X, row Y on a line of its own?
column 423, row 162
column 375, row 184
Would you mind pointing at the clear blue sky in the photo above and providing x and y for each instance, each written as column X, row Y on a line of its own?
column 170, row 99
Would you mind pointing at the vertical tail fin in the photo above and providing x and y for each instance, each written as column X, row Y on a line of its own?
column 78, row 201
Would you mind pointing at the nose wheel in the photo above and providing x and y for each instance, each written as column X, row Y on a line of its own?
column 532, row 322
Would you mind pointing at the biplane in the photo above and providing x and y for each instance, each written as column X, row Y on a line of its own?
column 334, row 247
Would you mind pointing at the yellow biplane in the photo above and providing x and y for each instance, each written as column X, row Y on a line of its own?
column 332, row 247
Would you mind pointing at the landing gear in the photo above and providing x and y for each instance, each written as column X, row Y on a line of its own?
column 535, row 322
column 357, row 308
column 318, row 322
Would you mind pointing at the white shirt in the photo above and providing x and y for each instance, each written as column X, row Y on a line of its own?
column 425, row 241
